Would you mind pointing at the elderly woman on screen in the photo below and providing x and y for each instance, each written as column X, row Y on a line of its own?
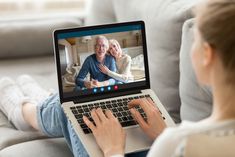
column 123, row 63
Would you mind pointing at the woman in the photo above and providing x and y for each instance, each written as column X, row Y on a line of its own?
column 213, row 59
column 123, row 63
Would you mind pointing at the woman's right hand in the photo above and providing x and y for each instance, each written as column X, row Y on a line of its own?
column 155, row 124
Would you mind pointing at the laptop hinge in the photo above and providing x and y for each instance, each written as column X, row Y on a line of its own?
column 105, row 96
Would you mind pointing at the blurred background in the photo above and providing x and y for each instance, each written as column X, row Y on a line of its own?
column 28, row 8
column 26, row 28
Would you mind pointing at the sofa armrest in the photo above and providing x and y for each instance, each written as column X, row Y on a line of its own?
column 31, row 37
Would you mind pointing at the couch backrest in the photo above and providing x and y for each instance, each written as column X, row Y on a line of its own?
column 30, row 37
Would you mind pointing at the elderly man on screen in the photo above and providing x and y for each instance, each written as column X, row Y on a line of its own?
column 91, row 65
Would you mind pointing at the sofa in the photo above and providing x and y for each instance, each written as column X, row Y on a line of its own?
column 26, row 47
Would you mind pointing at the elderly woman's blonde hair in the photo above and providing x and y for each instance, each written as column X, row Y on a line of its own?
column 114, row 42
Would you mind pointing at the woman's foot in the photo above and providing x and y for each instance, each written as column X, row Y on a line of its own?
column 11, row 101
column 32, row 89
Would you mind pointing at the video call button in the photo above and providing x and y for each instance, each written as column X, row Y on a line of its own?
column 115, row 87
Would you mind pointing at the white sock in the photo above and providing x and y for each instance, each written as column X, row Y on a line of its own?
column 11, row 100
column 31, row 88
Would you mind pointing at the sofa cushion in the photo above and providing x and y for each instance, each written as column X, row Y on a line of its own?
column 55, row 147
column 40, row 68
column 30, row 37
column 4, row 122
column 10, row 136
column 164, row 20
column 196, row 100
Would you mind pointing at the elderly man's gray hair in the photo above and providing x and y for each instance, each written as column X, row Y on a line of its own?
column 101, row 37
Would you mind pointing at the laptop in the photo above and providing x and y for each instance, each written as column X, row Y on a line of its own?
column 74, row 48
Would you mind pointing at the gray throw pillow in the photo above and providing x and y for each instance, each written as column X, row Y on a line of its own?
column 196, row 100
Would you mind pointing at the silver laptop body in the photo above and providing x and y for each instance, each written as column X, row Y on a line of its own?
column 75, row 99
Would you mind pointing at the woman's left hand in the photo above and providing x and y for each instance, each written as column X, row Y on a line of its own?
column 103, row 69
column 108, row 132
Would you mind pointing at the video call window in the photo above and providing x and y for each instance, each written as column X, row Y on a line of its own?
column 101, row 60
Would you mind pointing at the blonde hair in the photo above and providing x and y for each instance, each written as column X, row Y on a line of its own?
column 114, row 42
column 216, row 24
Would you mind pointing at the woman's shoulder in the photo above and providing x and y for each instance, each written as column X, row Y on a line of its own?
column 169, row 140
column 180, row 130
column 185, row 128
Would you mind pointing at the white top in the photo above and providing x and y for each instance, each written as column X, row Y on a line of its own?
column 123, row 69
column 167, row 144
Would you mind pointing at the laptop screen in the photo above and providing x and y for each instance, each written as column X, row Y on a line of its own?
column 99, row 60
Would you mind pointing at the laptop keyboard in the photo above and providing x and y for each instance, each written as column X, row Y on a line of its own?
column 118, row 107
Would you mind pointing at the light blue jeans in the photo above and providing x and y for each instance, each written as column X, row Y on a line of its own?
column 53, row 123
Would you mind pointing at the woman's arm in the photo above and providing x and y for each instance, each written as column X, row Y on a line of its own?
column 154, row 125
column 82, row 74
column 112, row 74
column 119, row 77
column 127, row 66
column 126, row 71
column 108, row 132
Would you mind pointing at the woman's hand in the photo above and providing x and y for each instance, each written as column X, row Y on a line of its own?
column 89, row 84
column 108, row 132
column 103, row 69
column 155, row 123
column 96, row 83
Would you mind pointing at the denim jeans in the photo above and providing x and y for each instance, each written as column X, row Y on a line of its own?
column 54, row 123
